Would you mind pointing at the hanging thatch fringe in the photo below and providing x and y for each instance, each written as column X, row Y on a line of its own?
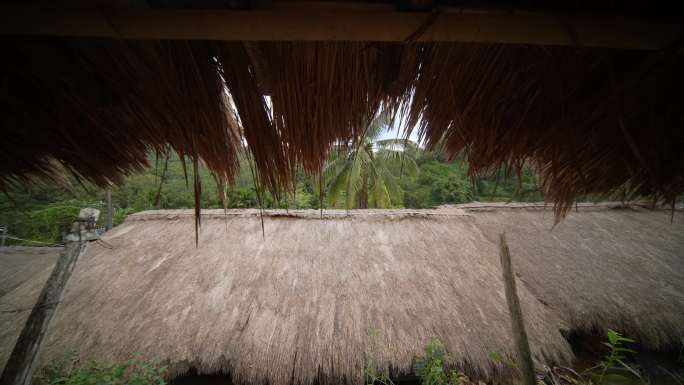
column 591, row 120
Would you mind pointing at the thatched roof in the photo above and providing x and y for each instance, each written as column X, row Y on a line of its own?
column 621, row 268
column 23, row 272
column 299, row 305
column 94, row 96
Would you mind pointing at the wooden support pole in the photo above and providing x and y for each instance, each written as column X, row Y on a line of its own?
column 326, row 22
column 517, row 323
column 110, row 210
column 21, row 363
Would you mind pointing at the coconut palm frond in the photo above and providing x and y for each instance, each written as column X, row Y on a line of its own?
column 403, row 143
column 392, row 185
column 401, row 152
column 405, row 164
column 380, row 193
column 354, row 171
column 355, row 180
column 333, row 167
column 409, row 167
column 338, row 184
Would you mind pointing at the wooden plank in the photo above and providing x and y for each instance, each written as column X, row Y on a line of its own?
column 522, row 345
column 22, row 361
column 333, row 23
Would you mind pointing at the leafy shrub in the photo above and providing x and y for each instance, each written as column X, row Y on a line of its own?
column 430, row 367
column 120, row 215
column 135, row 371
column 507, row 361
column 613, row 369
column 42, row 224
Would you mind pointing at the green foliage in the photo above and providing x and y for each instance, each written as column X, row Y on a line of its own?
column 613, row 369
column 430, row 368
column 438, row 183
column 43, row 223
column 500, row 186
column 135, row 371
column 49, row 223
column 499, row 359
column 121, row 214
column 44, row 211
column 447, row 182
column 368, row 175
column 379, row 174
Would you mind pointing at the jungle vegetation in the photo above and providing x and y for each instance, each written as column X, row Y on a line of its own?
column 377, row 173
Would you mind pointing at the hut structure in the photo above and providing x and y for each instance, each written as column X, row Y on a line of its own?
column 587, row 92
column 311, row 299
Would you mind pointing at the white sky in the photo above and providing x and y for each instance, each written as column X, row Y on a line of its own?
column 395, row 132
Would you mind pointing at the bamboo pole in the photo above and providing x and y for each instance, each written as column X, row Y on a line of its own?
column 360, row 22
column 21, row 363
column 517, row 323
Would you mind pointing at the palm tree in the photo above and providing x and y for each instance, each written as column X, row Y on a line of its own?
column 367, row 174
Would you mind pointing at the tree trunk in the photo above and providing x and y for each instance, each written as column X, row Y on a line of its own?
column 518, row 326
column 22, row 361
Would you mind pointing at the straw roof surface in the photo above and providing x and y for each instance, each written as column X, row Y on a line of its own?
column 311, row 299
column 591, row 120
column 23, row 272
column 621, row 268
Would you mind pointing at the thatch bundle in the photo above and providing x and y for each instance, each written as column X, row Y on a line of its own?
column 310, row 300
column 98, row 107
column 592, row 120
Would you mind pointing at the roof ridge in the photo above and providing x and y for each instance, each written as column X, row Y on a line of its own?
column 465, row 209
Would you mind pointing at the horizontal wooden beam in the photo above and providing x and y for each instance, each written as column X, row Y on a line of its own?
column 328, row 23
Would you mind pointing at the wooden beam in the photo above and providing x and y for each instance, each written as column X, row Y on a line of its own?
column 522, row 345
column 340, row 23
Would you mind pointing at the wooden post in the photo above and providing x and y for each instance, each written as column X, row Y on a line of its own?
column 518, row 326
column 109, row 224
column 22, row 361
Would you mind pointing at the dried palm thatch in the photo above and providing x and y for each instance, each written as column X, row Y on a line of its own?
column 295, row 100
column 97, row 107
column 621, row 268
column 308, row 302
column 591, row 120
column 23, row 272
column 300, row 305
